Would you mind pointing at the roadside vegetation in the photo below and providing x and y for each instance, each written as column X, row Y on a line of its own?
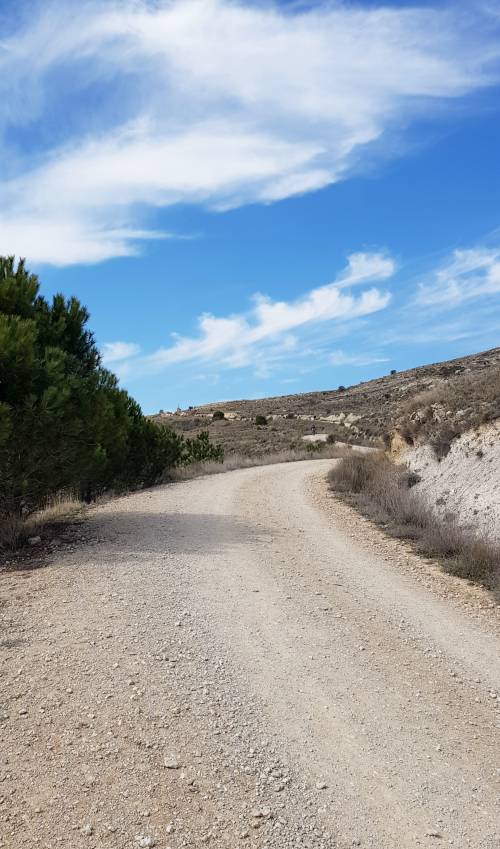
column 232, row 462
column 67, row 430
column 384, row 493
column 58, row 511
column 451, row 407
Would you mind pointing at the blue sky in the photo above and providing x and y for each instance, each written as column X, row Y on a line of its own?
column 256, row 199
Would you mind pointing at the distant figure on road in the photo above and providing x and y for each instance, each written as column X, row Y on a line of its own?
column 313, row 430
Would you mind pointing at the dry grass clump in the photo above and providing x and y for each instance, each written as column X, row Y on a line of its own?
column 384, row 493
column 10, row 530
column 451, row 407
column 243, row 461
column 59, row 509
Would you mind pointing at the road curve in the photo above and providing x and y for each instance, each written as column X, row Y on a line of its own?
column 219, row 662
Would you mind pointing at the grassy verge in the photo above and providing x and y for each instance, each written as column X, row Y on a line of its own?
column 60, row 509
column 320, row 451
column 384, row 493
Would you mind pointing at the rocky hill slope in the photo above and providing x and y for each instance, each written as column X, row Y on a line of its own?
column 433, row 403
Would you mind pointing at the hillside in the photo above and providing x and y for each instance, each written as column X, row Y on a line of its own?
column 447, row 397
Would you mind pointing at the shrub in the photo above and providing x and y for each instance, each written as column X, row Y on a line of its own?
column 201, row 450
column 314, row 447
column 260, row 420
column 218, row 415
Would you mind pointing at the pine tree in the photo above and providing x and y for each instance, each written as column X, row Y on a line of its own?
column 65, row 424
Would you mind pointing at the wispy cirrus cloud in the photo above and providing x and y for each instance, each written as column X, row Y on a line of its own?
column 204, row 102
column 467, row 275
column 115, row 352
column 272, row 331
column 341, row 358
column 349, row 323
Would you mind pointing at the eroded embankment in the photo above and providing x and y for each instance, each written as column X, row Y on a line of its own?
column 466, row 482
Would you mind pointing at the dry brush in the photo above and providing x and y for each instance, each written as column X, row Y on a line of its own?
column 384, row 492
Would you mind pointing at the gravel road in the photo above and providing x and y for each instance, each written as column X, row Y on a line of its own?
column 241, row 660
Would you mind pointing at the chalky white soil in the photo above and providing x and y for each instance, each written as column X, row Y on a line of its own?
column 466, row 483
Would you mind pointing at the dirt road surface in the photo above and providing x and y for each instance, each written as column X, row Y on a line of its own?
column 240, row 661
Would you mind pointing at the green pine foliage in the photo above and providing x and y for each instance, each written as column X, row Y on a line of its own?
column 65, row 424
column 201, row 450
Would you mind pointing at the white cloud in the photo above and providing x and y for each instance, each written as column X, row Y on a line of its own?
column 64, row 237
column 366, row 266
column 468, row 275
column 206, row 102
column 340, row 358
column 268, row 334
column 114, row 352
column 67, row 210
